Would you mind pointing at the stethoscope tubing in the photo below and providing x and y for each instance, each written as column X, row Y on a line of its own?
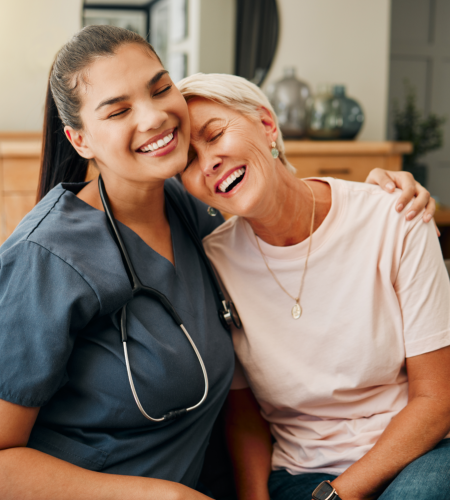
column 175, row 413
column 138, row 287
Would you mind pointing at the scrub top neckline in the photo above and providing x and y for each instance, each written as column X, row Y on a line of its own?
column 86, row 206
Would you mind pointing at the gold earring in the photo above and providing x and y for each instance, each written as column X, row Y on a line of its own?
column 274, row 150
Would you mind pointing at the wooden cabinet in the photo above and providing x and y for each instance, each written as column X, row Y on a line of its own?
column 349, row 160
column 19, row 175
column 20, row 161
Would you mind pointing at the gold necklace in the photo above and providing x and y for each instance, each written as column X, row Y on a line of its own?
column 296, row 311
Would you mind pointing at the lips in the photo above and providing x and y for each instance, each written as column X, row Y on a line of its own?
column 230, row 180
column 158, row 142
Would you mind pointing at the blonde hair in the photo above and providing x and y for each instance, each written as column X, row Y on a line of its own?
column 234, row 92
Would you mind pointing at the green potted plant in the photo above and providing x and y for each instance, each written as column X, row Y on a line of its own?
column 424, row 132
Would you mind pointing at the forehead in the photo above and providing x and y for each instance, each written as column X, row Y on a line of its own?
column 130, row 67
column 202, row 110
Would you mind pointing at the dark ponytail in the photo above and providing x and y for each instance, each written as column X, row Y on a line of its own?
column 60, row 161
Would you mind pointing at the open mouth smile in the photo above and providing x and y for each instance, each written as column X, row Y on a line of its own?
column 161, row 144
column 230, row 180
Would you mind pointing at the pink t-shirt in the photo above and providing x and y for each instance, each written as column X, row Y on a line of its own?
column 376, row 291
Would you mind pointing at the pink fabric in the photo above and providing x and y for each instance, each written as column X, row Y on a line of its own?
column 375, row 291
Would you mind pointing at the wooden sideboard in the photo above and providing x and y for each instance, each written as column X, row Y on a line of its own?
column 20, row 161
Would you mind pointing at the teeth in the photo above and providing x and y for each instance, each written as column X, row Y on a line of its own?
column 231, row 178
column 156, row 145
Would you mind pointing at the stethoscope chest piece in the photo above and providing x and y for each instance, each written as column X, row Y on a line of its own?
column 229, row 315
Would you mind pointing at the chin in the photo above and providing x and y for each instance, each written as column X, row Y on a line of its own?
column 242, row 208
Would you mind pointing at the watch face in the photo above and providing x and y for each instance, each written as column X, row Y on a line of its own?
column 323, row 491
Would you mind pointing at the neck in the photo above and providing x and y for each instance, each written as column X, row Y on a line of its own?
column 138, row 205
column 133, row 203
column 284, row 217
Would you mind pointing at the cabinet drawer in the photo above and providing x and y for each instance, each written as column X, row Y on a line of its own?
column 350, row 168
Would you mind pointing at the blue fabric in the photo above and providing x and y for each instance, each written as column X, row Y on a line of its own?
column 285, row 486
column 427, row 478
column 61, row 282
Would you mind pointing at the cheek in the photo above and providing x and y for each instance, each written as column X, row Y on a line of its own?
column 194, row 181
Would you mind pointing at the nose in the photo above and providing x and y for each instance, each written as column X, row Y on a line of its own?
column 150, row 117
column 209, row 163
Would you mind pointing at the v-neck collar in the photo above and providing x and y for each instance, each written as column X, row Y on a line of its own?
column 171, row 216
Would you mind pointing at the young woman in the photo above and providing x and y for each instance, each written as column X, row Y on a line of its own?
column 67, row 414
column 345, row 308
column 70, row 425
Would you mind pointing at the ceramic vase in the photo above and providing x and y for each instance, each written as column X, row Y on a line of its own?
column 350, row 112
column 332, row 115
column 288, row 97
column 321, row 117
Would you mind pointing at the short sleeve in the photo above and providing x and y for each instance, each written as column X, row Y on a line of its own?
column 43, row 303
column 423, row 290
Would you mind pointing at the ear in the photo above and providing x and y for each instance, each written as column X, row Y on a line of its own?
column 269, row 124
column 78, row 140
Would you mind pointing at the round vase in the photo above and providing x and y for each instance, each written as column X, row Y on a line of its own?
column 350, row 113
column 288, row 97
column 321, row 117
column 332, row 115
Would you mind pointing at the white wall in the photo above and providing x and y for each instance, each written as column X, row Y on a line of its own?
column 339, row 41
column 31, row 32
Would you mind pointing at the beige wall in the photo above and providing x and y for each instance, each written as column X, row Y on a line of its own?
column 31, row 32
column 339, row 41
column 217, row 36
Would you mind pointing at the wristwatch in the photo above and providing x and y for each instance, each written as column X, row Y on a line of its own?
column 325, row 491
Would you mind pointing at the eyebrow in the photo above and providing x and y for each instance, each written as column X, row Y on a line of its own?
column 205, row 125
column 121, row 98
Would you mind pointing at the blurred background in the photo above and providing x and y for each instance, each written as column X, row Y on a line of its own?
column 355, row 83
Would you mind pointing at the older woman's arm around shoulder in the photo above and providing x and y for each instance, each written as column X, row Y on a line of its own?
column 27, row 474
column 414, row 431
column 250, row 445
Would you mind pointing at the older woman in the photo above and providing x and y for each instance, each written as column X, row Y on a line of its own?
column 345, row 313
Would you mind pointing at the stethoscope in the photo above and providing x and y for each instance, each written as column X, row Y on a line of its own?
column 227, row 311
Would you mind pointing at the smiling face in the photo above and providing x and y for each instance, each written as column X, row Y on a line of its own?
column 230, row 165
column 135, row 121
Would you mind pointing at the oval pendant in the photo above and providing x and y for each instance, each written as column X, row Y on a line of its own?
column 296, row 311
column 211, row 211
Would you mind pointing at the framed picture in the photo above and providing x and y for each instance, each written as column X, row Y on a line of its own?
column 131, row 19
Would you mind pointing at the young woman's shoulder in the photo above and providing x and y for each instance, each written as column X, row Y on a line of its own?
column 63, row 232
column 196, row 210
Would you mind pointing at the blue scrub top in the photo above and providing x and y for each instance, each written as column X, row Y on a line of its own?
column 61, row 282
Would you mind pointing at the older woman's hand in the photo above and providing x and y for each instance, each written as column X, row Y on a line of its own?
column 389, row 180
